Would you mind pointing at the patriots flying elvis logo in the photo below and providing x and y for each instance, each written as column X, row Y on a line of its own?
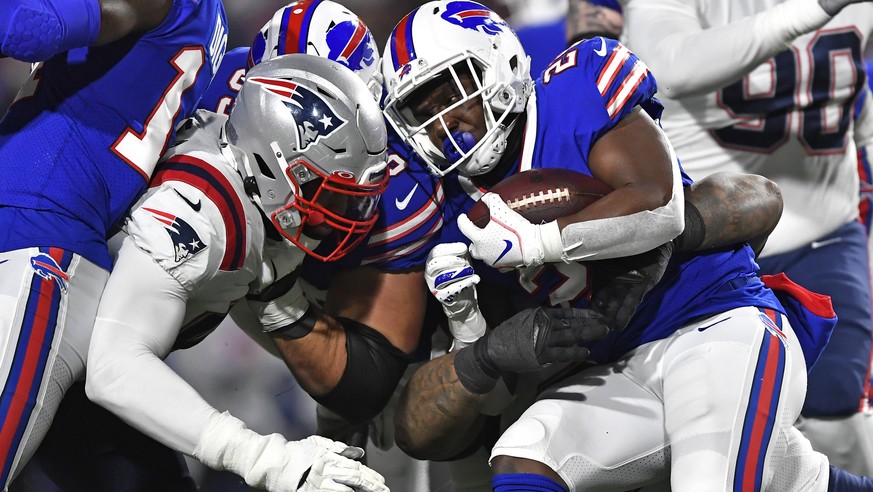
column 471, row 15
column 46, row 267
column 186, row 242
column 314, row 117
column 350, row 44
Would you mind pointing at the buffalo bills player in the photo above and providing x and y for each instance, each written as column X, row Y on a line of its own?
column 111, row 80
column 316, row 27
column 777, row 101
column 228, row 217
column 459, row 92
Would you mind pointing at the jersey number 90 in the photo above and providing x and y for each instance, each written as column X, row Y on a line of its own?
column 820, row 91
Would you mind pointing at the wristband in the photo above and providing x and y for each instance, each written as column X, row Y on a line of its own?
column 299, row 328
column 474, row 373
column 695, row 230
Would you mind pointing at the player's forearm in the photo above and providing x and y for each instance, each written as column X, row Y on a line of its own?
column 139, row 318
column 734, row 208
column 318, row 359
column 142, row 390
column 671, row 39
column 436, row 417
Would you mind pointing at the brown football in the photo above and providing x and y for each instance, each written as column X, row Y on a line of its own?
column 543, row 195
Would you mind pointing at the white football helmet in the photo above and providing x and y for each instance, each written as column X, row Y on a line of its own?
column 441, row 38
column 322, row 28
column 310, row 143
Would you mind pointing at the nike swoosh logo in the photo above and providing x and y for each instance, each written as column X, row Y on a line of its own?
column 819, row 244
column 195, row 206
column 702, row 328
column 505, row 250
column 402, row 204
column 4, row 261
column 448, row 277
column 602, row 50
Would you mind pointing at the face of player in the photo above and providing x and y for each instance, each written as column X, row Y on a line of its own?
column 437, row 97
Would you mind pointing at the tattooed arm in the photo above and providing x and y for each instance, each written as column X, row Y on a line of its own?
column 732, row 208
column 586, row 20
column 437, row 418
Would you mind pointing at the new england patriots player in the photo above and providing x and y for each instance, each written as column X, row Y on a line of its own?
column 459, row 92
column 777, row 101
column 228, row 217
column 316, row 27
column 111, row 80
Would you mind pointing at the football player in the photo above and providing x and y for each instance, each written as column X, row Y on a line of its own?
column 229, row 215
column 316, row 27
column 111, row 80
column 776, row 99
column 459, row 92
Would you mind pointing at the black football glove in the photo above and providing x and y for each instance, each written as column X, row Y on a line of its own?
column 619, row 284
column 528, row 341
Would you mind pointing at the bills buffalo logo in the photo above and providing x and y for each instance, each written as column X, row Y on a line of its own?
column 314, row 117
column 350, row 44
column 471, row 15
column 405, row 70
column 46, row 267
column 186, row 242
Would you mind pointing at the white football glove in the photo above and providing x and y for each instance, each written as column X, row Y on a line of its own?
column 275, row 464
column 509, row 240
column 451, row 279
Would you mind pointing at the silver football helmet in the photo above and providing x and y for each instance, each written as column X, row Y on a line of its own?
column 323, row 28
column 445, row 39
column 312, row 144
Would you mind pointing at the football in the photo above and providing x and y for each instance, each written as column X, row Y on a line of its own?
column 543, row 195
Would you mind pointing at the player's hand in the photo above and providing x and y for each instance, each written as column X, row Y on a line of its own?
column 273, row 463
column 833, row 7
column 619, row 284
column 334, row 468
column 528, row 341
column 508, row 240
column 451, row 279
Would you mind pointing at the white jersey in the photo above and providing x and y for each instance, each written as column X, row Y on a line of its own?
column 197, row 222
column 789, row 119
column 195, row 247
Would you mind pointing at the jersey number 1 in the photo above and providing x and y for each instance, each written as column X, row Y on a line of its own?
column 142, row 150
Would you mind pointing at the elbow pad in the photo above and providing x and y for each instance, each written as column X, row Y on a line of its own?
column 36, row 30
column 373, row 369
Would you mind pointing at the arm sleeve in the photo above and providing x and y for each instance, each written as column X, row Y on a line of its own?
column 137, row 322
column 626, row 235
column 671, row 38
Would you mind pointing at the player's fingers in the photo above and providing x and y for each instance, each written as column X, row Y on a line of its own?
column 352, row 453
column 449, row 249
column 438, row 263
column 470, row 230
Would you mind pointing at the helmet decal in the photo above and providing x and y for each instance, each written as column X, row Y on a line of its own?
column 294, row 30
column 471, row 15
column 350, row 44
column 314, row 117
column 402, row 50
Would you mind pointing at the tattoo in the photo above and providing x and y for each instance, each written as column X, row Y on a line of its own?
column 437, row 417
column 585, row 20
column 737, row 208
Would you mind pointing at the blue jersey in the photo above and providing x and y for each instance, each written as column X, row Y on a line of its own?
column 81, row 140
column 606, row 82
column 221, row 93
